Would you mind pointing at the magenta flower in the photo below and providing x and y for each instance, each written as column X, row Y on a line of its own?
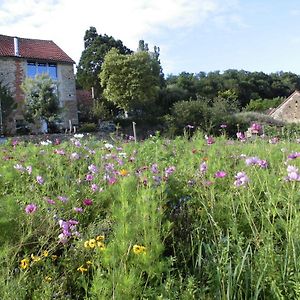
column 30, row 208
column 89, row 177
column 255, row 128
column 220, row 174
column 293, row 174
column 209, row 140
column 87, row 202
column 223, row 126
column 39, row 179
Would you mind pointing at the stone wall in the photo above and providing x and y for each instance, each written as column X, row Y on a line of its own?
column 289, row 110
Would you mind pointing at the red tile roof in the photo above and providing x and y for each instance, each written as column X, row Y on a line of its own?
column 33, row 49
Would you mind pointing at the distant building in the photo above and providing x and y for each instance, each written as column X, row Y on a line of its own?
column 21, row 58
column 289, row 110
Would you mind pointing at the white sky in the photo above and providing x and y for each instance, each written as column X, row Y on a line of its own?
column 193, row 35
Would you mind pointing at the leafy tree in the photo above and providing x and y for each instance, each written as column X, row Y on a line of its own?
column 7, row 105
column 41, row 101
column 262, row 105
column 130, row 81
column 96, row 46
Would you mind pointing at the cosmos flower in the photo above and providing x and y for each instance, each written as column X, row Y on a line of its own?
column 220, row 174
column 39, row 180
column 241, row 179
column 30, row 208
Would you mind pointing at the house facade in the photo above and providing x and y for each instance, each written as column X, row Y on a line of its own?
column 289, row 110
column 21, row 58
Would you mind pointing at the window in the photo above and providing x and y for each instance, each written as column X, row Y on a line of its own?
column 39, row 68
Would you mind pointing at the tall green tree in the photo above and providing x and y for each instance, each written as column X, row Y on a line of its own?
column 130, row 81
column 96, row 46
column 41, row 100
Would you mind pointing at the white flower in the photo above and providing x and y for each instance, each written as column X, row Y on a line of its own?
column 108, row 146
column 78, row 135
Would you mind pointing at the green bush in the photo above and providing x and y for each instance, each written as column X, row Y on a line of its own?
column 88, row 127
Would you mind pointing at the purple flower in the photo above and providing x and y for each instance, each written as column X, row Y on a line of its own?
column 189, row 126
column 220, row 174
column 294, row 155
column 62, row 199
column 241, row 179
column 93, row 169
column 169, row 171
column 78, row 209
column 274, row 140
column 293, row 174
column 203, row 167
column 154, row 169
column 50, row 201
column 241, row 136
column 87, row 202
column 30, row 208
column 39, row 179
column 255, row 161
column 223, row 126
column 94, row 187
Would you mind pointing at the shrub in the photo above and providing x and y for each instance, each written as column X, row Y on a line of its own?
column 88, row 127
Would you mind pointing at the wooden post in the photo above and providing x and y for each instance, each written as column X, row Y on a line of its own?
column 70, row 126
column 134, row 131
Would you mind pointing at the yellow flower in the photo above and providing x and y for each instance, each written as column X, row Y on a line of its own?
column 35, row 258
column 54, row 257
column 86, row 244
column 82, row 269
column 45, row 253
column 101, row 246
column 89, row 263
column 92, row 243
column 48, row 278
column 24, row 264
column 137, row 249
column 124, row 172
column 100, row 238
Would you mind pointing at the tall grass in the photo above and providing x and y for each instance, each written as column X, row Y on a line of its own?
column 159, row 219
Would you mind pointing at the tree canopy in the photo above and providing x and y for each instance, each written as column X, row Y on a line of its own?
column 130, row 80
column 96, row 46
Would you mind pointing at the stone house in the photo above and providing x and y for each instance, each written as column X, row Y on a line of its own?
column 22, row 57
column 289, row 110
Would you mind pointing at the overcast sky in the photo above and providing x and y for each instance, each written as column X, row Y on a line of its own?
column 193, row 35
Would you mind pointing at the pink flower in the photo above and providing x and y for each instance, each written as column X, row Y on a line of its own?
column 89, row 177
column 209, row 140
column 30, row 208
column 255, row 128
column 87, row 202
column 220, row 174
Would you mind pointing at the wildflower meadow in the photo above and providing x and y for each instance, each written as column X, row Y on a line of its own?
column 191, row 218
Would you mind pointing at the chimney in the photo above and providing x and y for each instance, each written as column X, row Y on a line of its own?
column 16, row 46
